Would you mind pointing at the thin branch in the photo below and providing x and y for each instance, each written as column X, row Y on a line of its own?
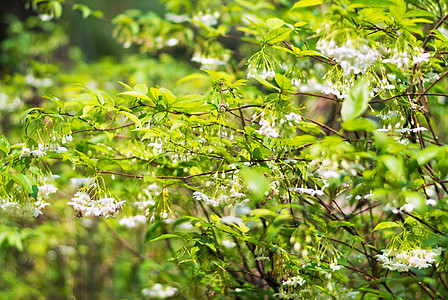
column 435, row 27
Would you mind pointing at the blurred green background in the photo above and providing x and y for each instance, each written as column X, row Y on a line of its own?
column 57, row 256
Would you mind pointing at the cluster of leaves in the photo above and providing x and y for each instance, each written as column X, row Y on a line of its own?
column 282, row 185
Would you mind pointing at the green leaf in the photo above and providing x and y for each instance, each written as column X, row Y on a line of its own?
column 256, row 182
column 274, row 23
column 85, row 10
column 299, row 140
column 141, row 88
column 277, row 35
column 373, row 3
column 4, row 145
column 177, row 124
column 28, row 183
column 265, row 82
column 27, row 112
column 398, row 9
column 357, row 101
column 57, row 9
column 258, row 26
column 133, row 118
column 384, row 225
column 105, row 164
column 125, row 85
column 306, row 3
column 137, row 95
column 310, row 53
column 262, row 212
column 395, row 166
column 419, row 13
column 283, row 82
column 165, row 236
column 340, row 224
column 426, row 155
column 359, row 124
column 58, row 102
column 84, row 158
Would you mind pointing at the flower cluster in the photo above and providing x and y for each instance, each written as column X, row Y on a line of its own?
column 340, row 88
column 288, row 290
column 351, row 59
column 402, row 130
column 207, row 19
column 78, row 182
column 267, row 129
column 265, row 73
column 294, row 281
column 8, row 105
column 208, row 62
column 222, row 199
column 45, row 191
column 27, row 209
column 228, row 244
column 402, row 59
column 291, row 119
column 132, row 222
column 176, row 18
column 308, row 191
column 158, row 291
column 85, row 206
column 38, row 153
column 403, row 260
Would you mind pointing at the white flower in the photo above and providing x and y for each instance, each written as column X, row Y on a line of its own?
column 420, row 128
column 352, row 60
column 77, row 182
column 105, row 207
column 209, row 62
column 155, row 145
column 207, row 19
column 266, row 73
column 172, row 42
column 158, row 291
column 308, row 191
column 403, row 260
column 293, row 117
column 228, row 244
column 133, row 221
column 176, row 18
column 231, row 220
column 423, row 57
column 46, row 190
column 25, row 152
column 267, row 130
column 45, row 17
column 144, row 204
column 329, row 174
column 294, row 281
column 431, row 202
column 401, row 60
column 200, row 196
column 30, row 208
column 335, row 267
column 39, row 153
column 58, row 149
column 408, row 207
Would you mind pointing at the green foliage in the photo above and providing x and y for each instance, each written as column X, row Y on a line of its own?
column 246, row 149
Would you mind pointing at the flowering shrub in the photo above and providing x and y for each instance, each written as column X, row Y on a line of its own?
column 303, row 159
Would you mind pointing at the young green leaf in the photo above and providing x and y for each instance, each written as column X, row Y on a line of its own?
column 277, row 35
column 357, row 101
column 384, row 225
column 306, row 3
column 28, row 183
